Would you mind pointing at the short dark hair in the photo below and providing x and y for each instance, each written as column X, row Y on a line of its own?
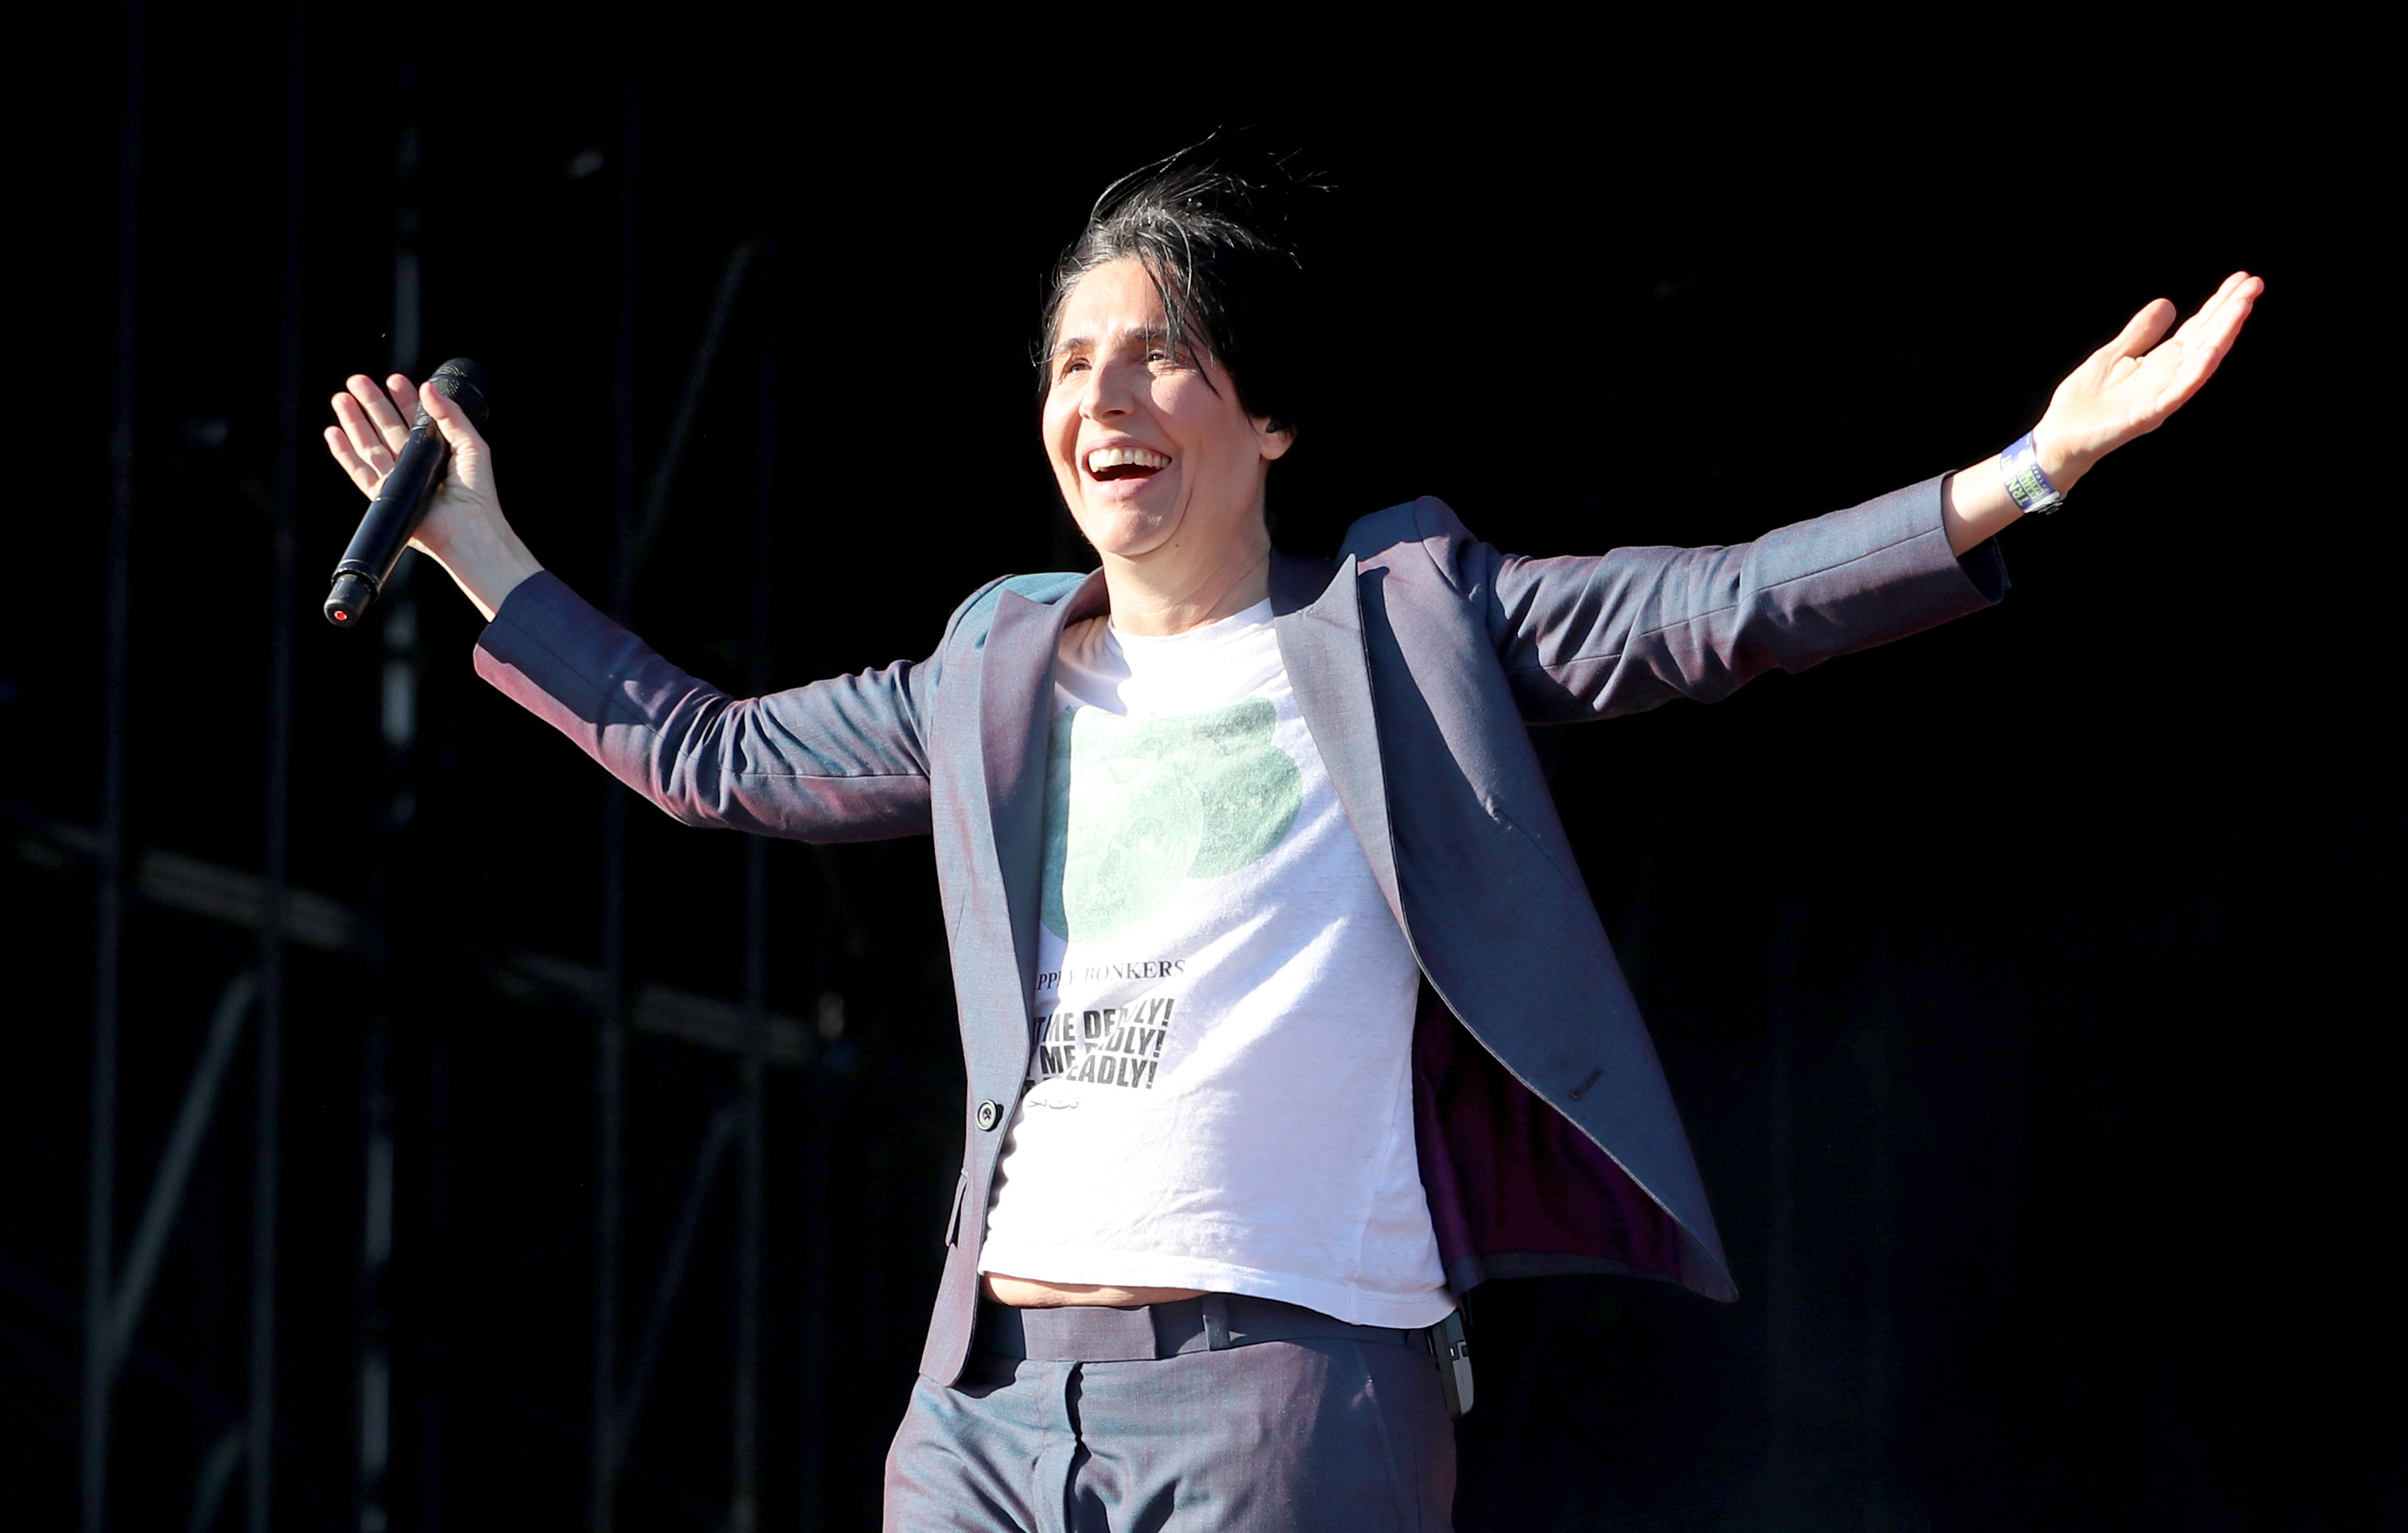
column 1212, row 226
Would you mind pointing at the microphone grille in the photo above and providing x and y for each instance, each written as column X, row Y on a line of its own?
column 466, row 384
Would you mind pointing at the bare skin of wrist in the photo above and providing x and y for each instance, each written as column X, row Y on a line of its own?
column 485, row 559
column 1036, row 1293
column 1974, row 502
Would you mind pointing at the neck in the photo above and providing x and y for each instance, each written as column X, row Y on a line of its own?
column 1174, row 589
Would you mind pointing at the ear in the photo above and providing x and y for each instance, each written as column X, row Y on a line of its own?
column 1272, row 439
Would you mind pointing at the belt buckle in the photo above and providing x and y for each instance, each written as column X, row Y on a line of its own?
column 1446, row 1342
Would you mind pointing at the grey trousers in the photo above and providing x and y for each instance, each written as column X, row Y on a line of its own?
column 1311, row 1436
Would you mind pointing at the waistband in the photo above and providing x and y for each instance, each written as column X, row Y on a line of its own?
column 1086, row 1332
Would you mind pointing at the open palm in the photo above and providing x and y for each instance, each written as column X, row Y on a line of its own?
column 2128, row 387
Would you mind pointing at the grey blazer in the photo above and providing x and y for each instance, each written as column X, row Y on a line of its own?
column 1418, row 658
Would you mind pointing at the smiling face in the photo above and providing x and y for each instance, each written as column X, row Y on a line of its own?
column 1156, row 459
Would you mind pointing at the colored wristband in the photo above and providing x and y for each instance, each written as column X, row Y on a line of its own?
column 2019, row 471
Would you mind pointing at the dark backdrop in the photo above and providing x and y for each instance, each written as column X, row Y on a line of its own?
column 2021, row 984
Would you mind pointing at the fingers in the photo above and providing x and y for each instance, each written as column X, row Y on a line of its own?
column 339, row 446
column 2196, row 365
column 362, row 431
column 372, row 426
column 387, row 410
column 2203, row 343
column 2220, row 319
column 2222, row 313
column 2233, row 287
column 2220, row 327
column 2208, row 335
column 405, row 400
column 2223, row 291
column 459, row 433
column 2144, row 330
column 363, row 444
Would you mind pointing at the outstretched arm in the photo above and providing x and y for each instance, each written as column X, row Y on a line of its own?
column 1591, row 637
column 2125, row 389
column 841, row 759
column 464, row 531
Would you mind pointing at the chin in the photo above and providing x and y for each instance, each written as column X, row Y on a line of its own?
column 1126, row 534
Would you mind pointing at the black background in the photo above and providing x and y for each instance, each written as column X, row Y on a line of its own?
column 2024, row 985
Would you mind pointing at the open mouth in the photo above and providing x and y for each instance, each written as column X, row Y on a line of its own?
column 1107, row 464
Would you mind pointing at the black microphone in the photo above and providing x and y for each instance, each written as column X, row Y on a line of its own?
column 401, row 499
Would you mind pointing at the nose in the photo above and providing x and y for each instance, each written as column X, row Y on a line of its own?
column 1112, row 386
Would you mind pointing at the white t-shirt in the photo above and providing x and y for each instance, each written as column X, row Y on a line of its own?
column 1221, row 1094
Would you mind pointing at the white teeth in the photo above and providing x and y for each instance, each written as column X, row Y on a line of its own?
column 1125, row 457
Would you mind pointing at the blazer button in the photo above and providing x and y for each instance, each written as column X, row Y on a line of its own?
column 989, row 1115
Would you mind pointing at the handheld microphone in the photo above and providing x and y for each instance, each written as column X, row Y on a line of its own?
column 401, row 499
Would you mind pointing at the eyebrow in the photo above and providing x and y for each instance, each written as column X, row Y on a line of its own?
column 1079, row 343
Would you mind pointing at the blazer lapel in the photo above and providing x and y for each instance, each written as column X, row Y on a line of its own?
column 1015, row 708
column 1319, row 620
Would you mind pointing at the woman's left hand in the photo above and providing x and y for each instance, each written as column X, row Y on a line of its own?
column 2128, row 387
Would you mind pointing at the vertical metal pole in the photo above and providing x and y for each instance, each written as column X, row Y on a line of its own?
column 176, row 1161
column 611, row 1044
column 611, row 1048
column 1781, row 1299
column 823, row 1098
column 405, row 302
column 373, row 1375
column 403, row 660
column 434, row 1350
column 397, row 611
column 744, row 1499
column 100, row 1214
column 265, row 1168
column 1873, row 1058
column 743, row 1511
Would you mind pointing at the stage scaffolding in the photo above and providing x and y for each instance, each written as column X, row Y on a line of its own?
column 248, row 1023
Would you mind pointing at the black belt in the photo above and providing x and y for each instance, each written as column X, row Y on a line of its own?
column 1090, row 1333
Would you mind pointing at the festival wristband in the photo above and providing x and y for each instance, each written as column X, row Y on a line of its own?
column 2019, row 471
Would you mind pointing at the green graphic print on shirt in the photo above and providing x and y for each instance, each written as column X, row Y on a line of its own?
column 1134, row 805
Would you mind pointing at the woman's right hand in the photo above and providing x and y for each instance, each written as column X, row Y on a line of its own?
column 464, row 531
